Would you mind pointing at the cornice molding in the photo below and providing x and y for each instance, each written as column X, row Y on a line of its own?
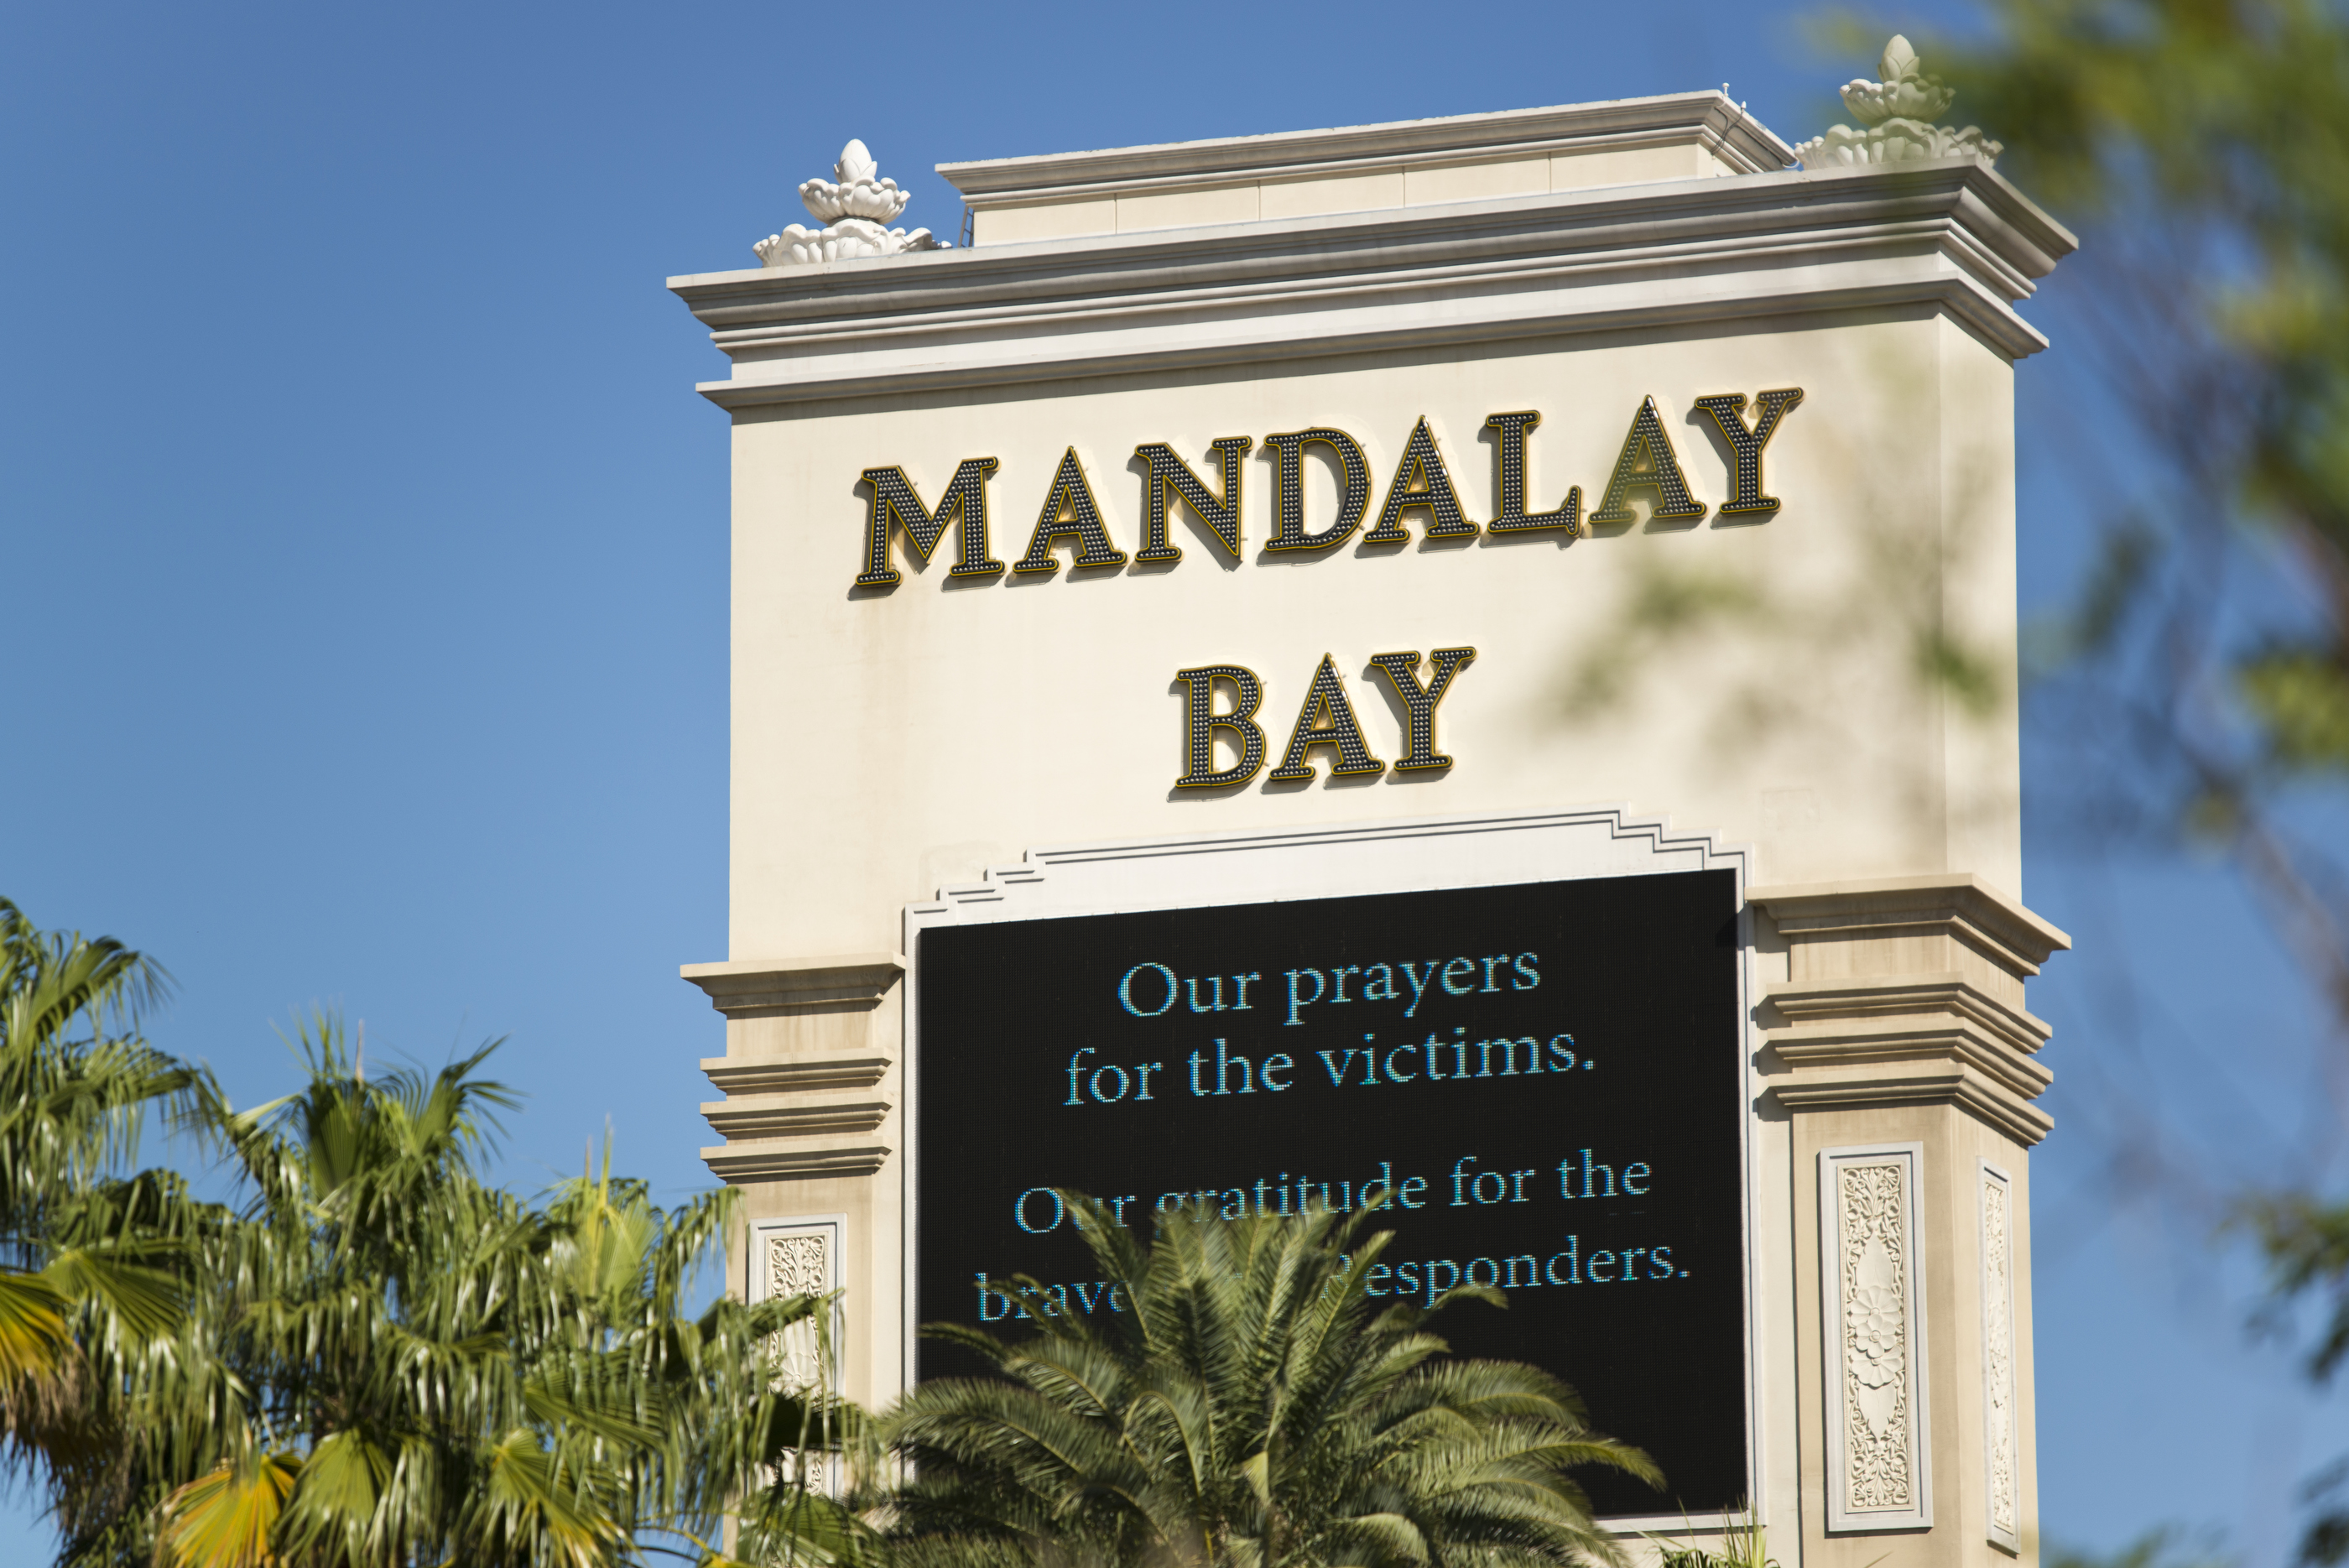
column 1908, row 991
column 1709, row 119
column 1950, row 236
column 776, row 1074
column 741, row 1117
column 1883, row 906
column 759, row 987
column 791, row 1161
column 1928, row 1040
column 1953, row 1085
column 1480, row 850
column 783, row 1116
column 1906, row 996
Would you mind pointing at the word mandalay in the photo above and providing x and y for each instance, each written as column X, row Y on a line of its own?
column 1421, row 484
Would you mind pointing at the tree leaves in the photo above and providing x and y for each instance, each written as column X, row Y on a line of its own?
column 2301, row 697
column 229, row 1517
column 378, row 1358
column 1254, row 1406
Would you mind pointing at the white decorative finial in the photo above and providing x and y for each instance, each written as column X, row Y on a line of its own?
column 1899, row 109
column 854, row 205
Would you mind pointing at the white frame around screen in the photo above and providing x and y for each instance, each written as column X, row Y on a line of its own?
column 1411, row 856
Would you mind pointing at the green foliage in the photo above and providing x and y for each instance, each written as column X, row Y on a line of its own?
column 1745, row 1544
column 391, row 1361
column 70, row 1103
column 2306, row 1242
column 1251, row 1405
column 375, row 1357
column 75, row 1083
column 2301, row 698
column 2207, row 142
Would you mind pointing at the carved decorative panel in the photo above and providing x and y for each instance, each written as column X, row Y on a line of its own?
column 801, row 1258
column 2000, row 1421
column 799, row 1264
column 795, row 1258
column 1873, row 1319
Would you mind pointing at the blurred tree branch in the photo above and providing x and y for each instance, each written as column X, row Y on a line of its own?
column 2198, row 690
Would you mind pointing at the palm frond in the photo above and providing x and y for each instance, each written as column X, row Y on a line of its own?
column 1256, row 1408
column 534, row 1509
column 229, row 1518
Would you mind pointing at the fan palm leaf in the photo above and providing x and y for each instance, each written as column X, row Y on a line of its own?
column 375, row 1357
column 1251, row 1404
column 80, row 1275
column 228, row 1517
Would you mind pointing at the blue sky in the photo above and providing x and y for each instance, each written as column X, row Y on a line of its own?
column 366, row 569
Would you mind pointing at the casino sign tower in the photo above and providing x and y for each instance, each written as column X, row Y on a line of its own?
column 1461, row 669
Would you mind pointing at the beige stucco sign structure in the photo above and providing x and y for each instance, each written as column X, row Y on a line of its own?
column 1514, row 500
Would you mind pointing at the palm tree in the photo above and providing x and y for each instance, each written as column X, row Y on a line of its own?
column 76, row 1085
column 1249, row 1405
column 391, row 1362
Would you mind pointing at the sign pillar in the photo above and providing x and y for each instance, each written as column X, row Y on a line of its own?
column 812, row 1078
column 1460, row 672
column 1899, row 1043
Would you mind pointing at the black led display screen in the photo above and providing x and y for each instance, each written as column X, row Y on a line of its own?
column 1539, row 1086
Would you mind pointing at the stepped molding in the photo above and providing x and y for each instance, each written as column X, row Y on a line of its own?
column 1826, row 1002
column 790, row 1160
column 767, row 986
column 790, row 1116
column 1908, row 991
column 807, row 1041
column 775, row 1075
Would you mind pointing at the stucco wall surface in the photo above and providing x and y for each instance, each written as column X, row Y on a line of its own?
column 1833, row 686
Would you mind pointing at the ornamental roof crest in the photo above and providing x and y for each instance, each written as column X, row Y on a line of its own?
column 1897, row 111
column 856, row 207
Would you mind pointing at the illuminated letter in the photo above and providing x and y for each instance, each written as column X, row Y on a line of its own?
column 1069, row 493
column 1019, row 1211
column 1769, row 407
column 1401, row 671
column 1420, row 483
column 1647, row 463
column 1325, row 720
column 1126, row 999
column 1288, row 497
column 1200, row 722
column 1169, row 479
column 1510, row 478
column 895, row 501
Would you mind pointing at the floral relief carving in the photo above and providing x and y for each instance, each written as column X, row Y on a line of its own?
column 1998, row 1358
column 1872, row 1201
column 798, row 1264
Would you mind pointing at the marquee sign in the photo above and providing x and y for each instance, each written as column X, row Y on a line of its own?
column 1737, row 1112
column 1536, row 1088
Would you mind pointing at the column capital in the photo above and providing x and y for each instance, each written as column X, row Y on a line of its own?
column 1908, row 991
column 756, row 988
column 809, row 1050
column 1955, row 903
